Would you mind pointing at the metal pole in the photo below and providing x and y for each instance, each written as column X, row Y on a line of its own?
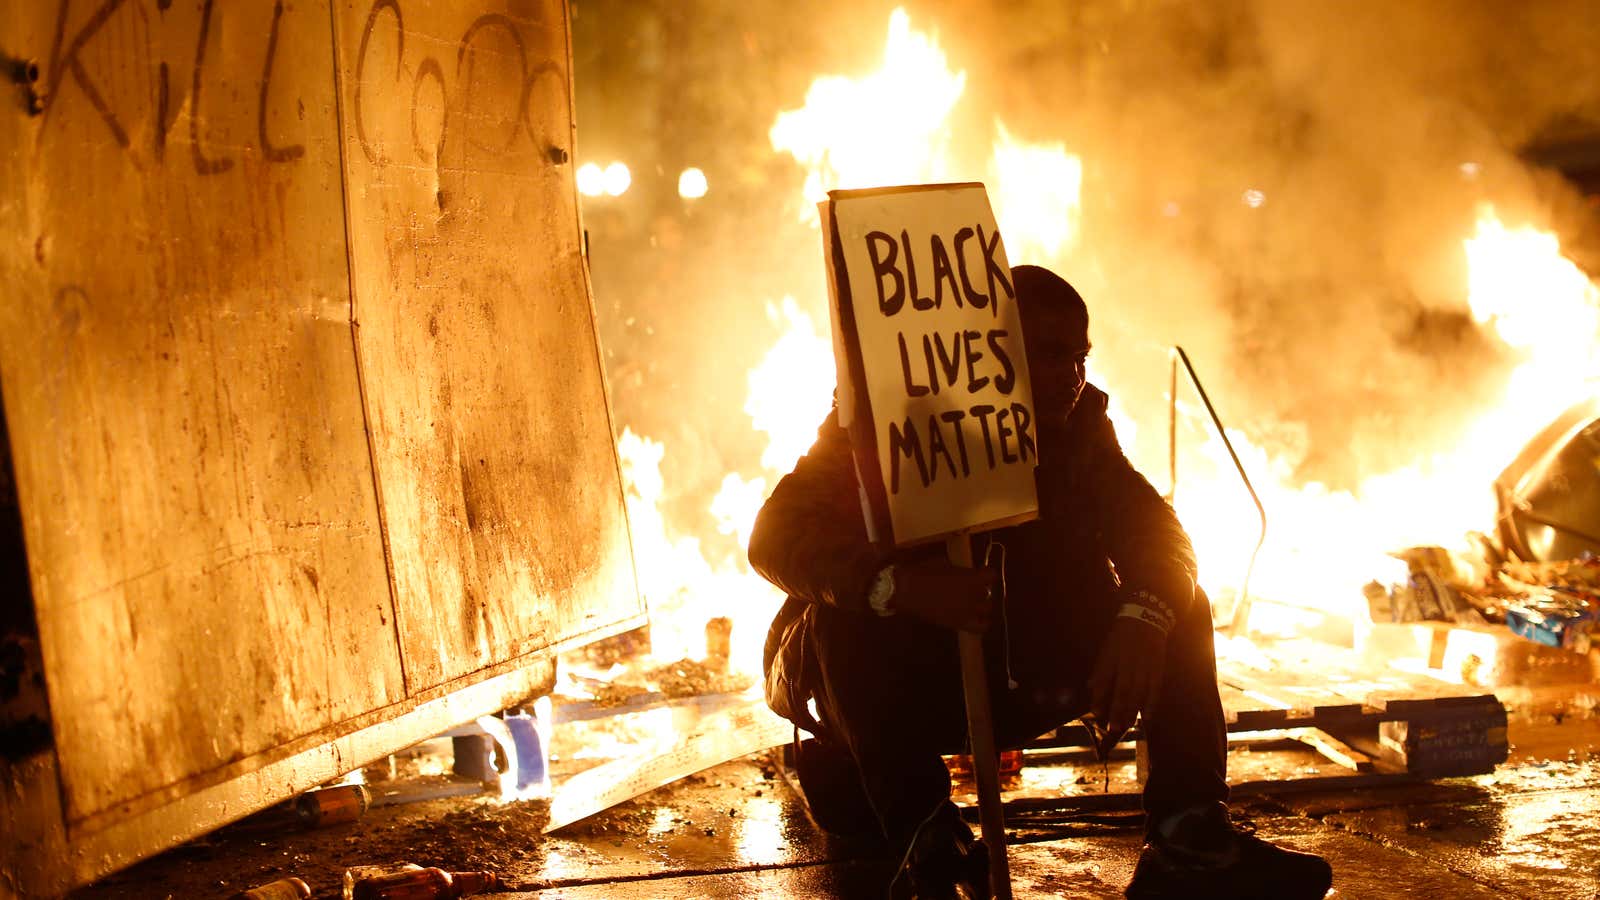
column 1241, row 610
column 980, row 728
column 1172, row 427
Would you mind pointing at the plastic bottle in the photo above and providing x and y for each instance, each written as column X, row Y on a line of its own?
column 282, row 889
column 424, row 884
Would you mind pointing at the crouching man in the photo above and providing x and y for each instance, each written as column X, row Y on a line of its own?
column 1092, row 608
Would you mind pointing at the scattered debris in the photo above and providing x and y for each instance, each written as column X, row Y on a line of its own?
column 423, row 884
column 1556, row 604
column 690, row 678
column 282, row 889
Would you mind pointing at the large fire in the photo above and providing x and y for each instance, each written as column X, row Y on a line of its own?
column 1323, row 544
column 891, row 127
column 790, row 392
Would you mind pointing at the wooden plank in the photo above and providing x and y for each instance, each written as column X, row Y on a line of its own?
column 1329, row 682
column 1420, row 701
column 1260, row 719
column 1333, row 748
column 498, row 478
column 175, row 351
column 589, row 710
column 1287, row 691
column 1428, row 726
column 715, row 739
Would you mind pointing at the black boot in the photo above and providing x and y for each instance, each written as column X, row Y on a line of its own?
column 943, row 862
column 1206, row 856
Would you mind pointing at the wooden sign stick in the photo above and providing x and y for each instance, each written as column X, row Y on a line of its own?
column 980, row 730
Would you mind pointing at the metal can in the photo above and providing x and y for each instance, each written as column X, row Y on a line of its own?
column 330, row 806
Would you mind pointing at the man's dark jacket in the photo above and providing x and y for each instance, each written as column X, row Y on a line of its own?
column 1101, row 525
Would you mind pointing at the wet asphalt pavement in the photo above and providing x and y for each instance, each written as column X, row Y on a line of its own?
column 1530, row 829
column 1463, row 838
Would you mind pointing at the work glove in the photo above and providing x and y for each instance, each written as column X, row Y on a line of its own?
column 942, row 593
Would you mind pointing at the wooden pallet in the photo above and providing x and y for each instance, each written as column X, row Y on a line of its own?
column 1401, row 722
column 1365, row 719
column 1381, row 728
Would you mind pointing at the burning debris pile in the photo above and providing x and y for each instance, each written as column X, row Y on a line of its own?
column 1556, row 604
column 1539, row 574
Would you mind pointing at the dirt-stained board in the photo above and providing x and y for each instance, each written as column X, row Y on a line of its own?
column 497, row 475
column 299, row 369
column 180, row 386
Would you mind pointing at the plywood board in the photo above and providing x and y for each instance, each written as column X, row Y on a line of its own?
column 181, row 389
column 497, row 476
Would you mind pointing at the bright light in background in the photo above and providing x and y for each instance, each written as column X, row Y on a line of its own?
column 1036, row 190
column 617, row 179
column 591, row 181
column 792, row 389
column 1540, row 304
column 888, row 127
column 1254, row 198
column 692, row 184
column 1518, row 281
column 789, row 394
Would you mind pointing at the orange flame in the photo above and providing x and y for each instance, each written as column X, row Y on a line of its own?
column 892, row 126
column 1325, row 544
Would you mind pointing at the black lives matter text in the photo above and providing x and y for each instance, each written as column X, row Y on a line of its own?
column 966, row 368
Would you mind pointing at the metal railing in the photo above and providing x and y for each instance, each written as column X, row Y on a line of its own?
column 1241, row 608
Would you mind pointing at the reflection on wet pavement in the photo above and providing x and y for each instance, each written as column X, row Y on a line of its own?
column 1530, row 829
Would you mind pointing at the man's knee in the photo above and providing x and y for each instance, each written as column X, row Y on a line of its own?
column 886, row 681
column 888, row 652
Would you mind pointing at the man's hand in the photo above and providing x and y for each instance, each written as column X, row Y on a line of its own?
column 1127, row 674
column 945, row 594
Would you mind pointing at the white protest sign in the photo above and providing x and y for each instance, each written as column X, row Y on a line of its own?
column 933, row 382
